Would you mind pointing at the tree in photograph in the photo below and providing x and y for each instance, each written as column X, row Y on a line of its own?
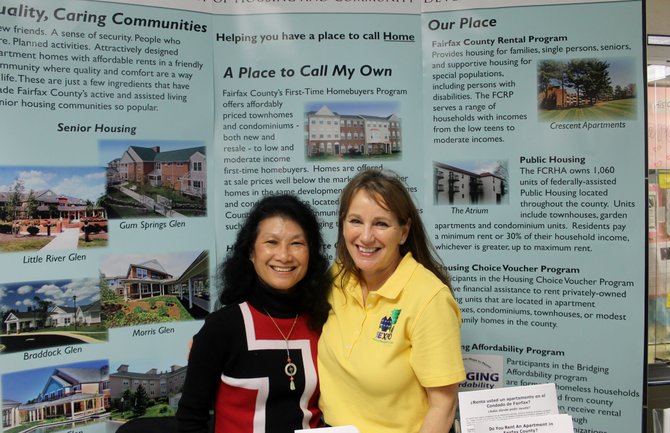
column 501, row 171
column 551, row 75
column 576, row 74
column 590, row 77
column 14, row 200
column 127, row 399
column 52, row 208
column 31, row 205
column 141, row 402
column 43, row 307
column 101, row 202
column 106, row 293
column 599, row 83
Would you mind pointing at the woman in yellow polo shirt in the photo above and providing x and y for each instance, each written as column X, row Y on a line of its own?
column 389, row 354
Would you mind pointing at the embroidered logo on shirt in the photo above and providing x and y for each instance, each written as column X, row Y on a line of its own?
column 386, row 326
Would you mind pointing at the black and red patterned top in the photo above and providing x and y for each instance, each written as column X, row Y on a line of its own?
column 237, row 367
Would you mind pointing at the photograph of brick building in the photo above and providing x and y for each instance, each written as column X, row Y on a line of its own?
column 354, row 130
column 155, row 178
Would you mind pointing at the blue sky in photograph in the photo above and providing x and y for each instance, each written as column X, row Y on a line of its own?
column 369, row 108
column 86, row 183
column 173, row 263
column 621, row 69
column 20, row 296
column 112, row 149
column 26, row 385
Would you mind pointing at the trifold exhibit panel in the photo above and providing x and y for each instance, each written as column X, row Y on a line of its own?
column 137, row 135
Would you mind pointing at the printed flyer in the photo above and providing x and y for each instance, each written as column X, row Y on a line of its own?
column 138, row 134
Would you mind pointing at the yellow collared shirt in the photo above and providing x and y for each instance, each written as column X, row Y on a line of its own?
column 375, row 359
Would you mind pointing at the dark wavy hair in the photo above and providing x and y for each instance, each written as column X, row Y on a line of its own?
column 386, row 188
column 237, row 274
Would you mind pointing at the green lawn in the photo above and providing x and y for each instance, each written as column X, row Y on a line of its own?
column 622, row 109
column 26, row 426
column 160, row 409
column 93, row 243
column 12, row 245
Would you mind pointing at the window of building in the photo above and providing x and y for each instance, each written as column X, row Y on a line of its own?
column 141, row 273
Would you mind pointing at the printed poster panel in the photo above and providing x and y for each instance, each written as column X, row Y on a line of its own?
column 535, row 135
column 305, row 101
column 105, row 223
column 110, row 139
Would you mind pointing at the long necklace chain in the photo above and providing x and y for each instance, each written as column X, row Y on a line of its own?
column 290, row 368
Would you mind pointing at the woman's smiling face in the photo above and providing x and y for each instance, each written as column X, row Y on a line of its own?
column 373, row 236
column 281, row 253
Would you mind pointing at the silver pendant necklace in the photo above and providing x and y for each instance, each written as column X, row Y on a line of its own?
column 290, row 368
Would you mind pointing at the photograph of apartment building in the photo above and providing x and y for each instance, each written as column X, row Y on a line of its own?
column 157, row 383
column 154, row 178
column 354, row 130
column 470, row 183
column 153, row 288
column 55, row 395
column 585, row 89
column 52, row 208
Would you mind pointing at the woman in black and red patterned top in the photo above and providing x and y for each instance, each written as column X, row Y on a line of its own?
column 254, row 360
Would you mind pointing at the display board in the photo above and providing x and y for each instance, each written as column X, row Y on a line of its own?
column 137, row 135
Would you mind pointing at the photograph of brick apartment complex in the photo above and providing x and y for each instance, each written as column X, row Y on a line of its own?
column 484, row 183
column 165, row 384
column 155, row 178
column 353, row 130
column 55, row 395
column 586, row 89
column 52, row 208
column 155, row 288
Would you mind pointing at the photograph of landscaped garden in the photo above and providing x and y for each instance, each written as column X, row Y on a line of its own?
column 40, row 314
column 52, row 208
column 586, row 90
column 154, row 178
column 138, row 289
